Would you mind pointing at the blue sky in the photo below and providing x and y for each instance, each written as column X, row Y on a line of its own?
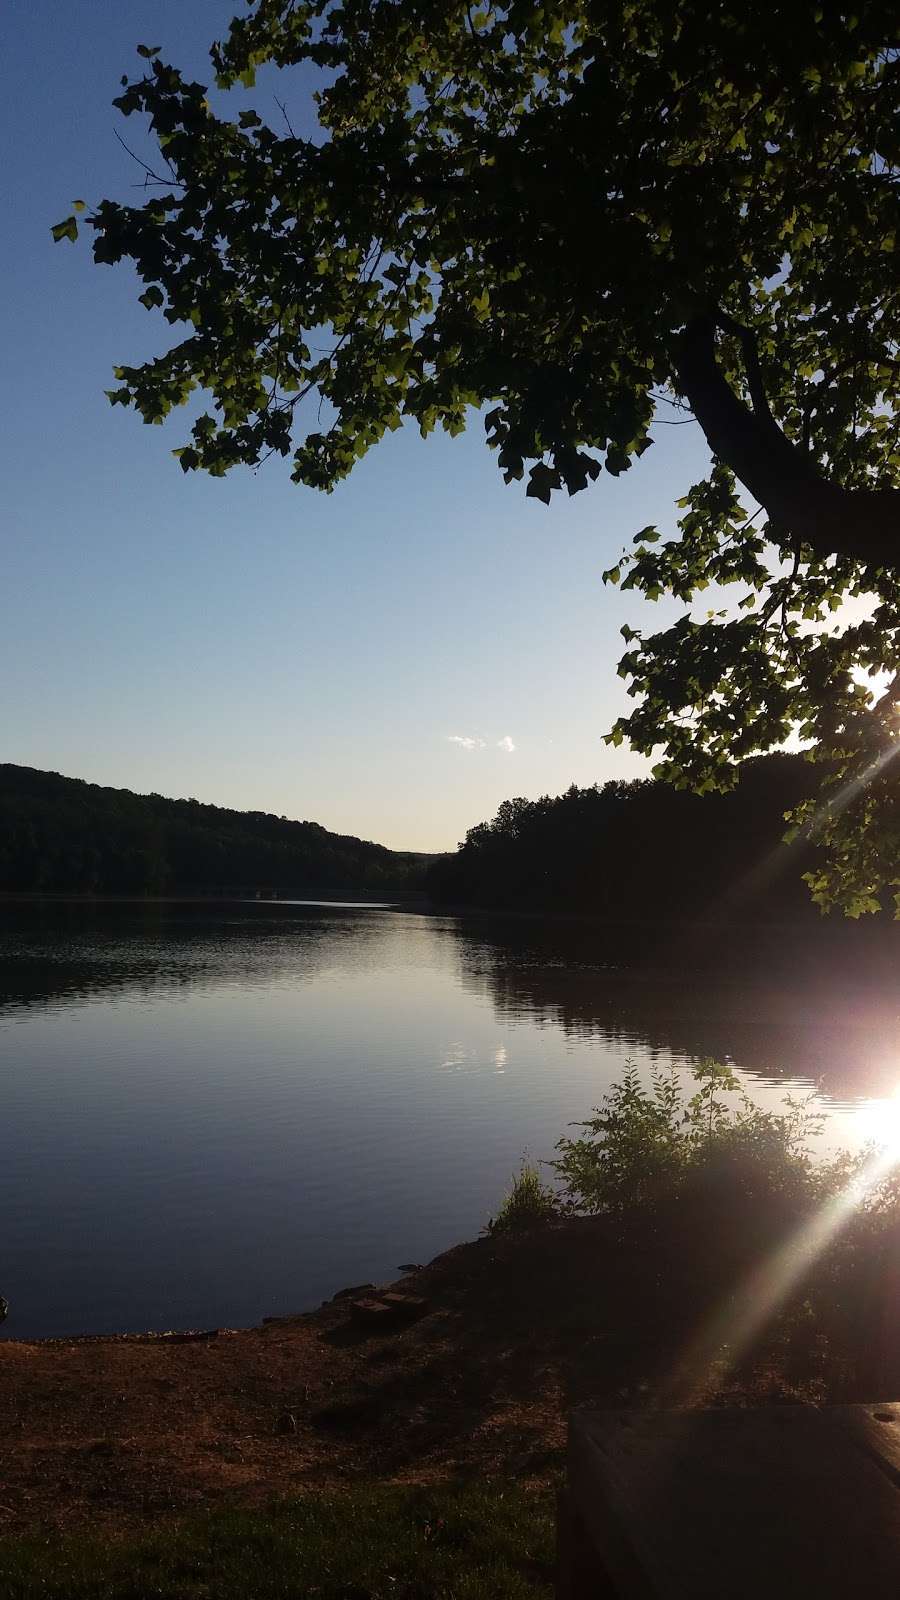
column 246, row 641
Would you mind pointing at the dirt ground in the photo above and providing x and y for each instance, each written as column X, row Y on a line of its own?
column 514, row 1331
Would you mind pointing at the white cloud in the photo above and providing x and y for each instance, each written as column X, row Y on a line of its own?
column 471, row 741
column 465, row 741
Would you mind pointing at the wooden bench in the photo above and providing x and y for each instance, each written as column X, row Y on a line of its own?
column 682, row 1505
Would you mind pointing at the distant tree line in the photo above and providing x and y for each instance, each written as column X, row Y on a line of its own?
column 61, row 835
column 641, row 851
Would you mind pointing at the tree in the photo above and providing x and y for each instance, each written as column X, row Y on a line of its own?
column 571, row 216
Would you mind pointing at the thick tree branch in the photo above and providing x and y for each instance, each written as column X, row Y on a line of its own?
column 863, row 524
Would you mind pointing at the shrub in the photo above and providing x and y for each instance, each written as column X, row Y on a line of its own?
column 528, row 1202
column 645, row 1144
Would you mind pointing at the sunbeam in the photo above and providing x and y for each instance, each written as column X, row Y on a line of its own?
column 777, row 861
column 734, row 1324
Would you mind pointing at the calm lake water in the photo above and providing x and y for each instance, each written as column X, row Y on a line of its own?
column 215, row 1113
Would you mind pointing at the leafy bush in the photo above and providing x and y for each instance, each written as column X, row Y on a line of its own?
column 528, row 1202
column 645, row 1144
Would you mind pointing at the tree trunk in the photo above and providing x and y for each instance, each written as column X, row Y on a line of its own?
column 861, row 523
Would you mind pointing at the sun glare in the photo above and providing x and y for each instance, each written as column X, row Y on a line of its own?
column 879, row 1123
column 724, row 1337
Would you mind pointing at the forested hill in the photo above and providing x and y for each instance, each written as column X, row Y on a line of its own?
column 641, row 851
column 63, row 835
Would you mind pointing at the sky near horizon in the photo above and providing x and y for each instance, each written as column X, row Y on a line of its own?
column 392, row 660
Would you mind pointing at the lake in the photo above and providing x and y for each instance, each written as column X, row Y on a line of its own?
column 213, row 1113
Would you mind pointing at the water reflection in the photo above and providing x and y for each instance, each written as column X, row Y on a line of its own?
column 829, row 1015
column 826, row 1012
column 212, row 1113
column 66, row 952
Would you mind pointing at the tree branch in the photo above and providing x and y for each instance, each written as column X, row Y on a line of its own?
column 863, row 524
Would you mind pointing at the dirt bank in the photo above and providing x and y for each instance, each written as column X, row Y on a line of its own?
column 513, row 1332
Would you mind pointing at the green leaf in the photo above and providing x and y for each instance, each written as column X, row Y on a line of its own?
column 65, row 230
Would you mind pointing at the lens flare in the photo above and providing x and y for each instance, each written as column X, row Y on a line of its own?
column 879, row 1124
column 719, row 1343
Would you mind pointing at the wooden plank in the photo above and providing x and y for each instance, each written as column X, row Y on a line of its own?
column 388, row 1309
column 748, row 1505
column 875, row 1430
column 579, row 1572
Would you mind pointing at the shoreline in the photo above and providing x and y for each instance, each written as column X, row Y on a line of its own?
column 466, row 1368
column 111, row 1430
column 417, row 901
column 65, row 897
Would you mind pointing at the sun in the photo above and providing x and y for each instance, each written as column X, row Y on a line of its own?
column 879, row 1123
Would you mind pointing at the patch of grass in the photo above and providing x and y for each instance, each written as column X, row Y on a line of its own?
column 486, row 1542
column 528, row 1203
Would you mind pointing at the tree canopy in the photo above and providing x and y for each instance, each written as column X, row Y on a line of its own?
column 571, row 218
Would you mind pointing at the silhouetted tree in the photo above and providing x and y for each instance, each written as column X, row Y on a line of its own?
column 572, row 214
column 640, row 852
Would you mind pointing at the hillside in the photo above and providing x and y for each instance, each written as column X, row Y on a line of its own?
column 62, row 835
